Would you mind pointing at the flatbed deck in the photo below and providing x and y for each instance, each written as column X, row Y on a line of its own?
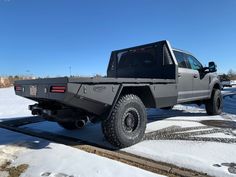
column 96, row 80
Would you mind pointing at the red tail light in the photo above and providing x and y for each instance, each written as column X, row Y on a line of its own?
column 58, row 89
column 18, row 88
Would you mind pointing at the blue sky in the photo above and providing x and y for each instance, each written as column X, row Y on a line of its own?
column 46, row 37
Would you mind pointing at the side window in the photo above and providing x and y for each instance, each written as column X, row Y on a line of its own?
column 194, row 63
column 180, row 59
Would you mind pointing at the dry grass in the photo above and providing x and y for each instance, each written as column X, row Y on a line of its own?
column 13, row 171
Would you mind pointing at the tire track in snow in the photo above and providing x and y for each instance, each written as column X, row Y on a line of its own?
column 177, row 133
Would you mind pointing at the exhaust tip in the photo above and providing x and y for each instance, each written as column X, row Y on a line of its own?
column 80, row 123
column 36, row 112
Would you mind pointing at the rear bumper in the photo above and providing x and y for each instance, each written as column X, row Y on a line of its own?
column 94, row 98
column 41, row 88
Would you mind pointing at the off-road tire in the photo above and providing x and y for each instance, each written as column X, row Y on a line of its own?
column 69, row 125
column 127, row 123
column 215, row 103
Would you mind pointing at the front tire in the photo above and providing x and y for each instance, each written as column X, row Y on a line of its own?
column 215, row 103
column 127, row 123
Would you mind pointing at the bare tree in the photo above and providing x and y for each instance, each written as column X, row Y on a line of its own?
column 231, row 73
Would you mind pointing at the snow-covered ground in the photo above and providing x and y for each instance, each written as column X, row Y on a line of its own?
column 12, row 106
column 55, row 160
column 51, row 159
column 189, row 141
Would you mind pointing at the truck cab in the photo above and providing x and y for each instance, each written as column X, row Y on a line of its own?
column 194, row 80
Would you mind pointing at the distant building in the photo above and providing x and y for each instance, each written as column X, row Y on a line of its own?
column 28, row 77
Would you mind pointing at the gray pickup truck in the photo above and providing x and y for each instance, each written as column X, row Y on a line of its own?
column 147, row 76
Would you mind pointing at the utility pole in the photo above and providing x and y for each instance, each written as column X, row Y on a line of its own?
column 70, row 70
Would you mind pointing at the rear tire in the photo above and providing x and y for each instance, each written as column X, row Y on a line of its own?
column 127, row 123
column 215, row 103
column 69, row 125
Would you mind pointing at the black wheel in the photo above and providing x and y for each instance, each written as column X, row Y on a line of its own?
column 127, row 123
column 215, row 103
column 69, row 125
column 168, row 108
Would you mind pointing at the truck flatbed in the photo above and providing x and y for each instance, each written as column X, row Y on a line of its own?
column 147, row 76
column 96, row 80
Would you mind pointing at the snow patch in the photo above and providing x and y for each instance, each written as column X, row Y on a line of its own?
column 199, row 156
column 11, row 105
column 54, row 159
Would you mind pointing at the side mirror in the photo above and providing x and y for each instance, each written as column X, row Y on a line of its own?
column 212, row 67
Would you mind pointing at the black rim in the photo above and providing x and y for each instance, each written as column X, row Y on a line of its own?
column 131, row 119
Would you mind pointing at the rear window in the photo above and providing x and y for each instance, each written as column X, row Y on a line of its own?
column 144, row 57
column 146, row 61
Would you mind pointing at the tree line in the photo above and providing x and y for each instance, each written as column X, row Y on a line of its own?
column 7, row 81
column 231, row 75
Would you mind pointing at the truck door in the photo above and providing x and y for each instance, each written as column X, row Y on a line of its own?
column 185, row 78
column 200, row 78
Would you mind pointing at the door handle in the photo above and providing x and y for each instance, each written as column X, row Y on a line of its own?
column 195, row 76
column 179, row 75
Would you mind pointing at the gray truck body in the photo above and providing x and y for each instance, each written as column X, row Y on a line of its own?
column 95, row 95
column 147, row 76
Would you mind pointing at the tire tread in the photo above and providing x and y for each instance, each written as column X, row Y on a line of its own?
column 108, row 125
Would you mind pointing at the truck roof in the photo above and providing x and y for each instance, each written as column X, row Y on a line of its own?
column 180, row 50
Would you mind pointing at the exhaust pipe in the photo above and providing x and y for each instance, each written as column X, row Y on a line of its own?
column 82, row 122
column 36, row 112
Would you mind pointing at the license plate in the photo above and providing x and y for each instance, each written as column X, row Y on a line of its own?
column 33, row 90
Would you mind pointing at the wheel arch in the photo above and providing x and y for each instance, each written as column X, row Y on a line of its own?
column 217, row 86
column 143, row 92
